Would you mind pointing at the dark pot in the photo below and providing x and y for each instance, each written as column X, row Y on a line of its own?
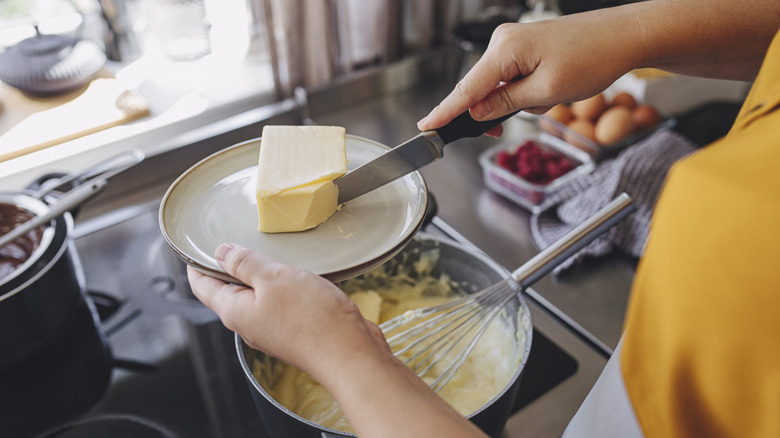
column 23, row 272
column 37, row 299
column 462, row 265
column 54, row 360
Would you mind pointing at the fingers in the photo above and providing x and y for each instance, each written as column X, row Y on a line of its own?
column 228, row 301
column 237, row 261
column 495, row 132
column 207, row 289
column 477, row 90
column 249, row 267
column 202, row 285
column 538, row 110
column 233, row 303
column 480, row 81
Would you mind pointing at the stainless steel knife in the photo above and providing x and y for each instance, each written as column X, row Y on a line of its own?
column 407, row 157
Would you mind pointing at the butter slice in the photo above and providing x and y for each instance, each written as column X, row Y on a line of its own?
column 295, row 173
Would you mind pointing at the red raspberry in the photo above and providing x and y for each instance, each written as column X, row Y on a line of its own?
column 506, row 160
column 534, row 163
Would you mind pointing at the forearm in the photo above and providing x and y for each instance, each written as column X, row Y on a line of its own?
column 712, row 38
column 381, row 397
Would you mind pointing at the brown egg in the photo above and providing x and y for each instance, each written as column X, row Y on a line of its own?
column 645, row 116
column 561, row 114
column 590, row 108
column 615, row 124
column 579, row 128
column 624, row 99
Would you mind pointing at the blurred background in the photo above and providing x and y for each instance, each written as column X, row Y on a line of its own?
column 300, row 42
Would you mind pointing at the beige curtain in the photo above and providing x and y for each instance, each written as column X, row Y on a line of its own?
column 313, row 42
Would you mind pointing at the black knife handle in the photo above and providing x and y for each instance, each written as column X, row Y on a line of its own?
column 464, row 126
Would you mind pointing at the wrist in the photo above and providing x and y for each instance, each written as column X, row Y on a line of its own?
column 339, row 363
column 382, row 397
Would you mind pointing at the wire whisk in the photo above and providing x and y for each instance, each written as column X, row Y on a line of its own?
column 435, row 341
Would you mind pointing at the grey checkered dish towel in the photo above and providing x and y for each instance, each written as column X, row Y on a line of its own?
column 639, row 171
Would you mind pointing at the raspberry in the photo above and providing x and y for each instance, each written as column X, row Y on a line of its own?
column 534, row 163
column 537, row 164
column 506, row 160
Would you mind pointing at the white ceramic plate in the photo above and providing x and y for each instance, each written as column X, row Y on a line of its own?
column 214, row 202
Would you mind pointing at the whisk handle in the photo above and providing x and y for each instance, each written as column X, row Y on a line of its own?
column 574, row 240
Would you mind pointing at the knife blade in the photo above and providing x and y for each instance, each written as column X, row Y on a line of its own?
column 423, row 149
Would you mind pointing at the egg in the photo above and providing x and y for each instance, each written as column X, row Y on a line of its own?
column 615, row 124
column 624, row 99
column 559, row 113
column 645, row 116
column 580, row 133
column 590, row 108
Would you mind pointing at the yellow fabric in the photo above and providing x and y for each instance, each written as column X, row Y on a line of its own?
column 701, row 352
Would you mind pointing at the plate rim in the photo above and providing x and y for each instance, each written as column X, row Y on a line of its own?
column 335, row 276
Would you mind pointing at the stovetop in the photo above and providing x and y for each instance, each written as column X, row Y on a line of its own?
column 176, row 372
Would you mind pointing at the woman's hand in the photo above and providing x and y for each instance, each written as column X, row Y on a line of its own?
column 533, row 66
column 290, row 314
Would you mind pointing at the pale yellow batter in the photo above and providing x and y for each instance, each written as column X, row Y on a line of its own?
column 382, row 295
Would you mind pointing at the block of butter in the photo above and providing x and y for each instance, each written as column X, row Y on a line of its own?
column 295, row 173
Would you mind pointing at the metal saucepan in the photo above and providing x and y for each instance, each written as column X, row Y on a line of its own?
column 16, row 258
column 37, row 301
column 39, row 296
column 53, row 356
column 462, row 265
column 45, row 312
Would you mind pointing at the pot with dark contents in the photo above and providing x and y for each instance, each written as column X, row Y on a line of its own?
column 19, row 251
column 49, row 330
column 16, row 209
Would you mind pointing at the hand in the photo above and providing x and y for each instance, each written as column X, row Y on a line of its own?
column 533, row 66
column 290, row 314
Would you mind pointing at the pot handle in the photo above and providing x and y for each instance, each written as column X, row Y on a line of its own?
column 104, row 169
column 67, row 202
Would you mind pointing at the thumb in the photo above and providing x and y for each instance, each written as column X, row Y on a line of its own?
column 240, row 262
